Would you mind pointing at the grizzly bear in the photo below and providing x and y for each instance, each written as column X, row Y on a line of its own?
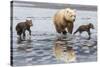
column 85, row 28
column 22, row 27
column 63, row 19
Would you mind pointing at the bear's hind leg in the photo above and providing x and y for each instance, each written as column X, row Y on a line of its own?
column 70, row 27
column 63, row 29
column 19, row 33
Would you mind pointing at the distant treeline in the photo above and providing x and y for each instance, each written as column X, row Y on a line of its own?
column 53, row 5
column 35, row 18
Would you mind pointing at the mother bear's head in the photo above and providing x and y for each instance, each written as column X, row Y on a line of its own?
column 70, row 14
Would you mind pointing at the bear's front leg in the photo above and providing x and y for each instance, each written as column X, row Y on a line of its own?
column 63, row 29
column 29, row 31
column 70, row 27
column 89, row 34
column 64, row 32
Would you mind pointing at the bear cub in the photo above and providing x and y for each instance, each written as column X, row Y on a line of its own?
column 85, row 28
column 22, row 27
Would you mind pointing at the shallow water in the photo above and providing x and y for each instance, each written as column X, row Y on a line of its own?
column 45, row 46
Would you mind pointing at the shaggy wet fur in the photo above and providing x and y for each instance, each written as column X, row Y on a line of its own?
column 64, row 19
column 22, row 27
column 85, row 28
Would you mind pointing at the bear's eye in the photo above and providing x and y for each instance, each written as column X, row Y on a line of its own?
column 67, row 11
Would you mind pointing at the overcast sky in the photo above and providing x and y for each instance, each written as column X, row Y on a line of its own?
column 87, row 2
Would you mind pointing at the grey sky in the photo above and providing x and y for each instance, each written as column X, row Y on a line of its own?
column 84, row 2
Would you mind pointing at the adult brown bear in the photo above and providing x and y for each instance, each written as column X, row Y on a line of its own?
column 22, row 27
column 63, row 19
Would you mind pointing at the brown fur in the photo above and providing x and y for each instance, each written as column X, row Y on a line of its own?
column 63, row 19
column 22, row 27
column 85, row 28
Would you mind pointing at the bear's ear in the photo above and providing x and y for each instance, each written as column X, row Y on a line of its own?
column 90, row 23
column 30, row 20
column 26, row 20
column 67, row 11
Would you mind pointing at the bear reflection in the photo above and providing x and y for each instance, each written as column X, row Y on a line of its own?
column 25, row 46
column 63, row 52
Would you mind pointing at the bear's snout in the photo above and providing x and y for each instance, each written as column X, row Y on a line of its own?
column 73, row 20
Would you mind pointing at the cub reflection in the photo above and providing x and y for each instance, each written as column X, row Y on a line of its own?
column 63, row 52
column 25, row 45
